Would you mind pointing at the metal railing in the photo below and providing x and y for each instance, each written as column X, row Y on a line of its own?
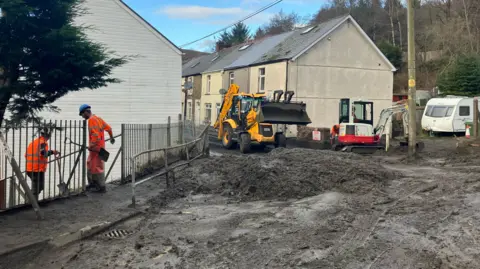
column 68, row 167
column 166, row 159
column 144, row 137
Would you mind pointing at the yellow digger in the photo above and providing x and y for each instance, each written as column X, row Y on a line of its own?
column 246, row 118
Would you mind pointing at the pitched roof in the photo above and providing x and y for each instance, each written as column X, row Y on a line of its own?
column 286, row 46
column 229, row 55
column 199, row 64
column 191, row 54
column 303, row 39
column 298, row 41
column 258, row 49
column 148, row 25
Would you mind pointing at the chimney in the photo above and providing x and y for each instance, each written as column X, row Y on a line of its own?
column 217, row 46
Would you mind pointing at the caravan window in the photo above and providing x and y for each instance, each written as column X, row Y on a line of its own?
column 464, row 111
column 439, row 111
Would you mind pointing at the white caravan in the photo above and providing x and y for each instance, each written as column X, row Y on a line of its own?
column 447, row 115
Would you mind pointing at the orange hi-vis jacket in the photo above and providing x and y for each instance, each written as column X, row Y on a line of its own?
column 96, row 132
column 37, row 155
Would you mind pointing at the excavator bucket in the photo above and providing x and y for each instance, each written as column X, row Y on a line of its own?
column 283, row 113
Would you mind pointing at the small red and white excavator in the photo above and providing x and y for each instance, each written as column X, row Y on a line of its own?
column 355, row 131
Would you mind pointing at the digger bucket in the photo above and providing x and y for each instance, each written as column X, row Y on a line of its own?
column 283, row 113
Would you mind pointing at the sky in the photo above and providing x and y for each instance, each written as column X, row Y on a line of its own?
column 183, row 21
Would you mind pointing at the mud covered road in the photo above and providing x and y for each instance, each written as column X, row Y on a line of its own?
column 297, row 208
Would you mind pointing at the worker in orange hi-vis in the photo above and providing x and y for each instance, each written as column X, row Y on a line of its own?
column 37, row 159
column 96, row 134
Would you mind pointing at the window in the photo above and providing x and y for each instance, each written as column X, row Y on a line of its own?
column 214, row 58
column 197, row 63
column 261, row 80
column 439, row 111
column 208, row 112
column 209, row 83
column 464, row 111
column 232, row 78
column 189, row 110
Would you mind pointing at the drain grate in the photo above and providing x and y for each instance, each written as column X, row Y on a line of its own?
column 118, row 233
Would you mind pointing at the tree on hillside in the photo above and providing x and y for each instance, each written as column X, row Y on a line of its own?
column 393, row 53
column 461, row 78
column 279, row 23
column 44, row 56
column 239, row 34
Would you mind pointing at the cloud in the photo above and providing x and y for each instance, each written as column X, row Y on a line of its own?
column 213, row 15
column 199, row 12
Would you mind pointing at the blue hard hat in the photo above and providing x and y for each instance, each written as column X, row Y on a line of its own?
column 83, row 108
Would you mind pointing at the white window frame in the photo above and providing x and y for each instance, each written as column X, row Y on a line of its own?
column 209, row 84
column 260, row 78
column 208, row 109
column 231, row 76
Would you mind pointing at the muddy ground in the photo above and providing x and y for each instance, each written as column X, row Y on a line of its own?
column 298, row 208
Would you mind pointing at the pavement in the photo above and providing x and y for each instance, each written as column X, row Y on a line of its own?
column 20, row 228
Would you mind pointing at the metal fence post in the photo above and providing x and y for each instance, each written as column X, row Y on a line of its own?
column 169, row 132
column 206, row 143
column 123, row 156
column 149, row 142
column 133, row 182
column 180, row 129
column 84, row 156
column 165, row 157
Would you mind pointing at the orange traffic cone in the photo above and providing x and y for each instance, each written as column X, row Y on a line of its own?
column 467, row 132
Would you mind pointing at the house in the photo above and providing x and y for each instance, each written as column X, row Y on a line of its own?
column 212, row 83
column 192, row 75
column 320, row 63
column 148, row 92
column 326, row 62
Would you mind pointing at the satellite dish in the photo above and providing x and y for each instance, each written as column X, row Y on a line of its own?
column 222, row 91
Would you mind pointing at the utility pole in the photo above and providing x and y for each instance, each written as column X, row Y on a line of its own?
column 412, row 105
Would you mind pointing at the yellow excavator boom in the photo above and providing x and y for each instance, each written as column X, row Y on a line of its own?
column 226, row 105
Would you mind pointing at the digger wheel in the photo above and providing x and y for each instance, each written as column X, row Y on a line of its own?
column 280, row 141
column 245, row 143
column 227, row 139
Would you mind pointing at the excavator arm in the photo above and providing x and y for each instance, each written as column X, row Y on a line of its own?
column 387, row 113
column 225, row 107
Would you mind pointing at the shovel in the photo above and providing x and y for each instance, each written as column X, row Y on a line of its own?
column 103, row 154
column 62, row 187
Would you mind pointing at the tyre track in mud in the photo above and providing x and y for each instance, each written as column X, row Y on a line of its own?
column 364, row 226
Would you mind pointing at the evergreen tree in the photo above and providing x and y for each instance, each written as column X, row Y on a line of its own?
column 461, row 78
column 239, row 34
column 44, row 56
column 393, row 53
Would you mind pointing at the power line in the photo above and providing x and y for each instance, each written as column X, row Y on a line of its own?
column 244, row 19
